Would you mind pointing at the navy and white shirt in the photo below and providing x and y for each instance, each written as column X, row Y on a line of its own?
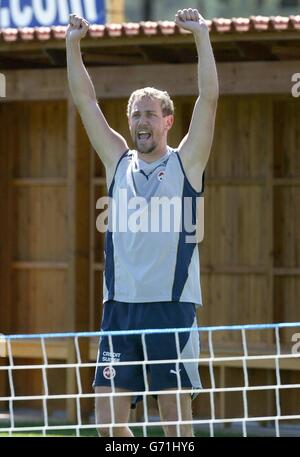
column 147, row 256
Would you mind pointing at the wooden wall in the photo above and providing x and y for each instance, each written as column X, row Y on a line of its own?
column 35, row 147
column 51, row 258
column 237, row 250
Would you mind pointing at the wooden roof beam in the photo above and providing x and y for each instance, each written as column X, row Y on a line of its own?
column 235, row 78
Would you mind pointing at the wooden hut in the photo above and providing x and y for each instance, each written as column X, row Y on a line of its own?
column 51, row 258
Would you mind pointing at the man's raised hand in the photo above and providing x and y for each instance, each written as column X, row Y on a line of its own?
column 78, row 27
column 190, row 19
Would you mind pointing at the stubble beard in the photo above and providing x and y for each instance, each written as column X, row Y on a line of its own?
column 145, row 149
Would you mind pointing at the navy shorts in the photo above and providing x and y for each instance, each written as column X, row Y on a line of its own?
column 159, row 346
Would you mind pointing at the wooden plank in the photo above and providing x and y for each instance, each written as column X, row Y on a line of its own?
column 71, row 382
column 233, row 270
column 234, row 218
column 50, row 84
column 235, row 261
column 235, row 78
column 246, row 181
column 286, row 220
column 71, row 200
column 82, row 224
column 287, row 290
column 115, row 113
column 79, row 233
column 238, row 138
column 98, row 295
column 235, row 299
column 99, row 181
column 264, row 364
column 39, row 298
column 98, row 266
column 55, row 349
column 287, row 182
column 287, row 141
column 286, row 227
column 92, row 216
column 290, row 403
column 222, row 394
column 65, row 350
column 36, row 182
column 182, row 117
column 40, row 217
column 269, row 127
column 287, row 271
column 257, row 77
column 6, row 238
column 19, row 265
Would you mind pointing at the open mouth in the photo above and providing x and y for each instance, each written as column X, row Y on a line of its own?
column 143, row 136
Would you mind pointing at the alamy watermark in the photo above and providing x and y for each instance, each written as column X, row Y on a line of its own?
column 2, row 85
column 296, row 346
column 296, row 86
column 159, row 215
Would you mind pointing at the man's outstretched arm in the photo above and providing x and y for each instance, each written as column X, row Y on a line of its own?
column 107, row 143
column 196, row 145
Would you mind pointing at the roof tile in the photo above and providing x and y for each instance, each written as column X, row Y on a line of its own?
column 59, row 32
column 26, row 33
column 221, row 25
column 279, row 23
column 131, row 28
column 241, row 24
column 260, row 23
column 43, row 33
column 114, row 30
column 295, row 22
column 217, row 25
column 149, row 27
column 167, row 27
column 96, row 31
column 9, row 34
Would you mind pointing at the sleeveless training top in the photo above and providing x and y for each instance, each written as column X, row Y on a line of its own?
column 152, row 213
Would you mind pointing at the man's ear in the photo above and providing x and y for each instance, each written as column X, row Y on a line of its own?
column 169, row 121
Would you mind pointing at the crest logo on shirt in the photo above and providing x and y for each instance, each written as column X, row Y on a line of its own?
column 160, row 175
column 109, row 372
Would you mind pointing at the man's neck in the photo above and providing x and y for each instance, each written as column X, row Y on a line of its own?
column 152, row 156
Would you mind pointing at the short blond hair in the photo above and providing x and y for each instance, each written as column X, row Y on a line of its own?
column 167, row 105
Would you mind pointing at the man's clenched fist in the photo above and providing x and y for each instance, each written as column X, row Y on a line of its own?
column 77, row 29
column 190, row 19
